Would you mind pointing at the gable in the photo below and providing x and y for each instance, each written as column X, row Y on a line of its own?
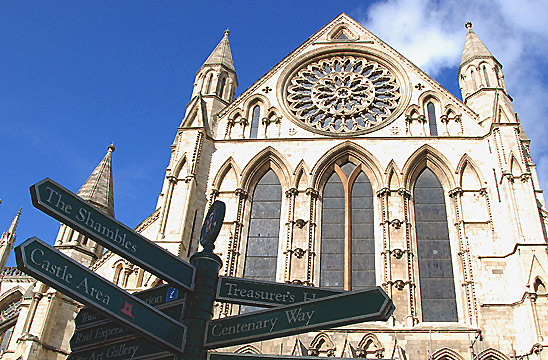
column 345, row 81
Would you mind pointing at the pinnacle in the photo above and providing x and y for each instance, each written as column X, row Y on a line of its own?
column 98, row 188
column 222, row 55
column 473, row 46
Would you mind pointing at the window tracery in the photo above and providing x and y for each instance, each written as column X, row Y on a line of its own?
column 437, row 286
column 347, row 257
column 343, row 94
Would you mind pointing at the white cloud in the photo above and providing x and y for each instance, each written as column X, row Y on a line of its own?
column 431, row 34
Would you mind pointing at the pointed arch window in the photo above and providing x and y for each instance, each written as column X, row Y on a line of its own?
column 222, row 87
column 437, row 284
column 208, row 83
column 255, row 121
column 431, row 108
column 118, row 274
column 264, row 229
column 486, row 76
column 347, row 259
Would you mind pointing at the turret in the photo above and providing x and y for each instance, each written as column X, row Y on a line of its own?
column 482, row 82
column 98, row 190
column 216, row 80
column 7, row 240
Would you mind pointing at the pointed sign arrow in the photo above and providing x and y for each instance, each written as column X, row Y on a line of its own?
column 67, row 207
column 57, row 270
column 337, row 310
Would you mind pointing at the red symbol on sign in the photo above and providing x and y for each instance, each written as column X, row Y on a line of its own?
column 126, row 310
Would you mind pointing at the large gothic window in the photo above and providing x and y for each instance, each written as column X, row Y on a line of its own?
column 347, row 259
column 264, row 229
column 437, row 285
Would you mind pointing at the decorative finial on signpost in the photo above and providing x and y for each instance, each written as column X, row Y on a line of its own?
column 212, row 225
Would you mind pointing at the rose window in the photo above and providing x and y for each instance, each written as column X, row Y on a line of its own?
column 343, row 94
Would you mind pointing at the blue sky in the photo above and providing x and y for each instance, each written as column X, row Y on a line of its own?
column 78, row 75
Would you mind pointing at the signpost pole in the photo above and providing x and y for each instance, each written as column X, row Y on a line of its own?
column 199, row 303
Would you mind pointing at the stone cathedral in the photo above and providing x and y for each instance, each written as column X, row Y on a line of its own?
column 344, row 166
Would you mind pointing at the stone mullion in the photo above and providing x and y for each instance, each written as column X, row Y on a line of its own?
column 483, row 192
column 412, row 311
column 533, row 301
column 291, row 196
column 234, row 243
column 172, row 181
column 513, row 204
column 464, row 254
column 310, row 253
column 383, row 195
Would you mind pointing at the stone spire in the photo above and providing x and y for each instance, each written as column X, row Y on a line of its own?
column 98, row 188
column 7, row 241
column 473, row 47
column 222, row 54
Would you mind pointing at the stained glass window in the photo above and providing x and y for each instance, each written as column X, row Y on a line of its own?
column 350, row 183
column 437, row 285
column 332, row 246
column 264, row 229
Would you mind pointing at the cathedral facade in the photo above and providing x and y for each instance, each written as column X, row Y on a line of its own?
column 344, row 166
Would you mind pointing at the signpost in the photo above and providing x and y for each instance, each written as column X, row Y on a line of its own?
column 162, row 297
column 101, row 331
column 67, row 207
column 146, row 324
column 335, row 310
column 57, row 270
column 132, row 348
column 266, row 293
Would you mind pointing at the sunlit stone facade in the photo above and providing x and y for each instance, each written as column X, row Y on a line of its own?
column 346, row 166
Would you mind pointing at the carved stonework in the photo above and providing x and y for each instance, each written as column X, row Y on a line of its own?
column 398, row 253
column 396, row 223
column 291, row 192
column 343, row 94
column 399, row 284
column 300, row 223
column 299, row 253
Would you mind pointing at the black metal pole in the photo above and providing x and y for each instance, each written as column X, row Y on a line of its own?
column 199, row 302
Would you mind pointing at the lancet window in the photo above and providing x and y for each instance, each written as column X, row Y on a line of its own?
column 255, row 122
column 486, row 75
column 264, row 229
column 347, row 259
column 437, row 284
column 432, row 118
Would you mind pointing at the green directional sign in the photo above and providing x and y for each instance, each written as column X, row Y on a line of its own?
column 266, row 293
column 106, row 331
column 162, row 297
column 57, row 270
column 328, row 312
column 65, row 206
column 232, row 356
column 133, row 348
